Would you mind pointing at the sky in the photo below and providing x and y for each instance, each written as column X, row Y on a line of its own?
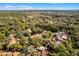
column 39, row 6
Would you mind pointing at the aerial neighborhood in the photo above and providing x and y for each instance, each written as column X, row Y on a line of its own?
column 39, row 33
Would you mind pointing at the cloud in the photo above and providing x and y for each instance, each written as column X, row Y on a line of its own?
column 11, row 7
column 23, row 7
column 65, row 8
column 26, row 7
column 57, row 8
column 6, row 7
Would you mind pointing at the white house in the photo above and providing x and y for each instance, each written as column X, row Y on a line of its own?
column 41, row 48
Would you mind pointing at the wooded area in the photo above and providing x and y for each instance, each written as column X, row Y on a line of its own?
column 40, row 33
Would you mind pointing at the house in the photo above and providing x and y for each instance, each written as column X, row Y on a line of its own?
column 41, row 48
column 59, row 36
column 42, row 51
column 63, row 35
